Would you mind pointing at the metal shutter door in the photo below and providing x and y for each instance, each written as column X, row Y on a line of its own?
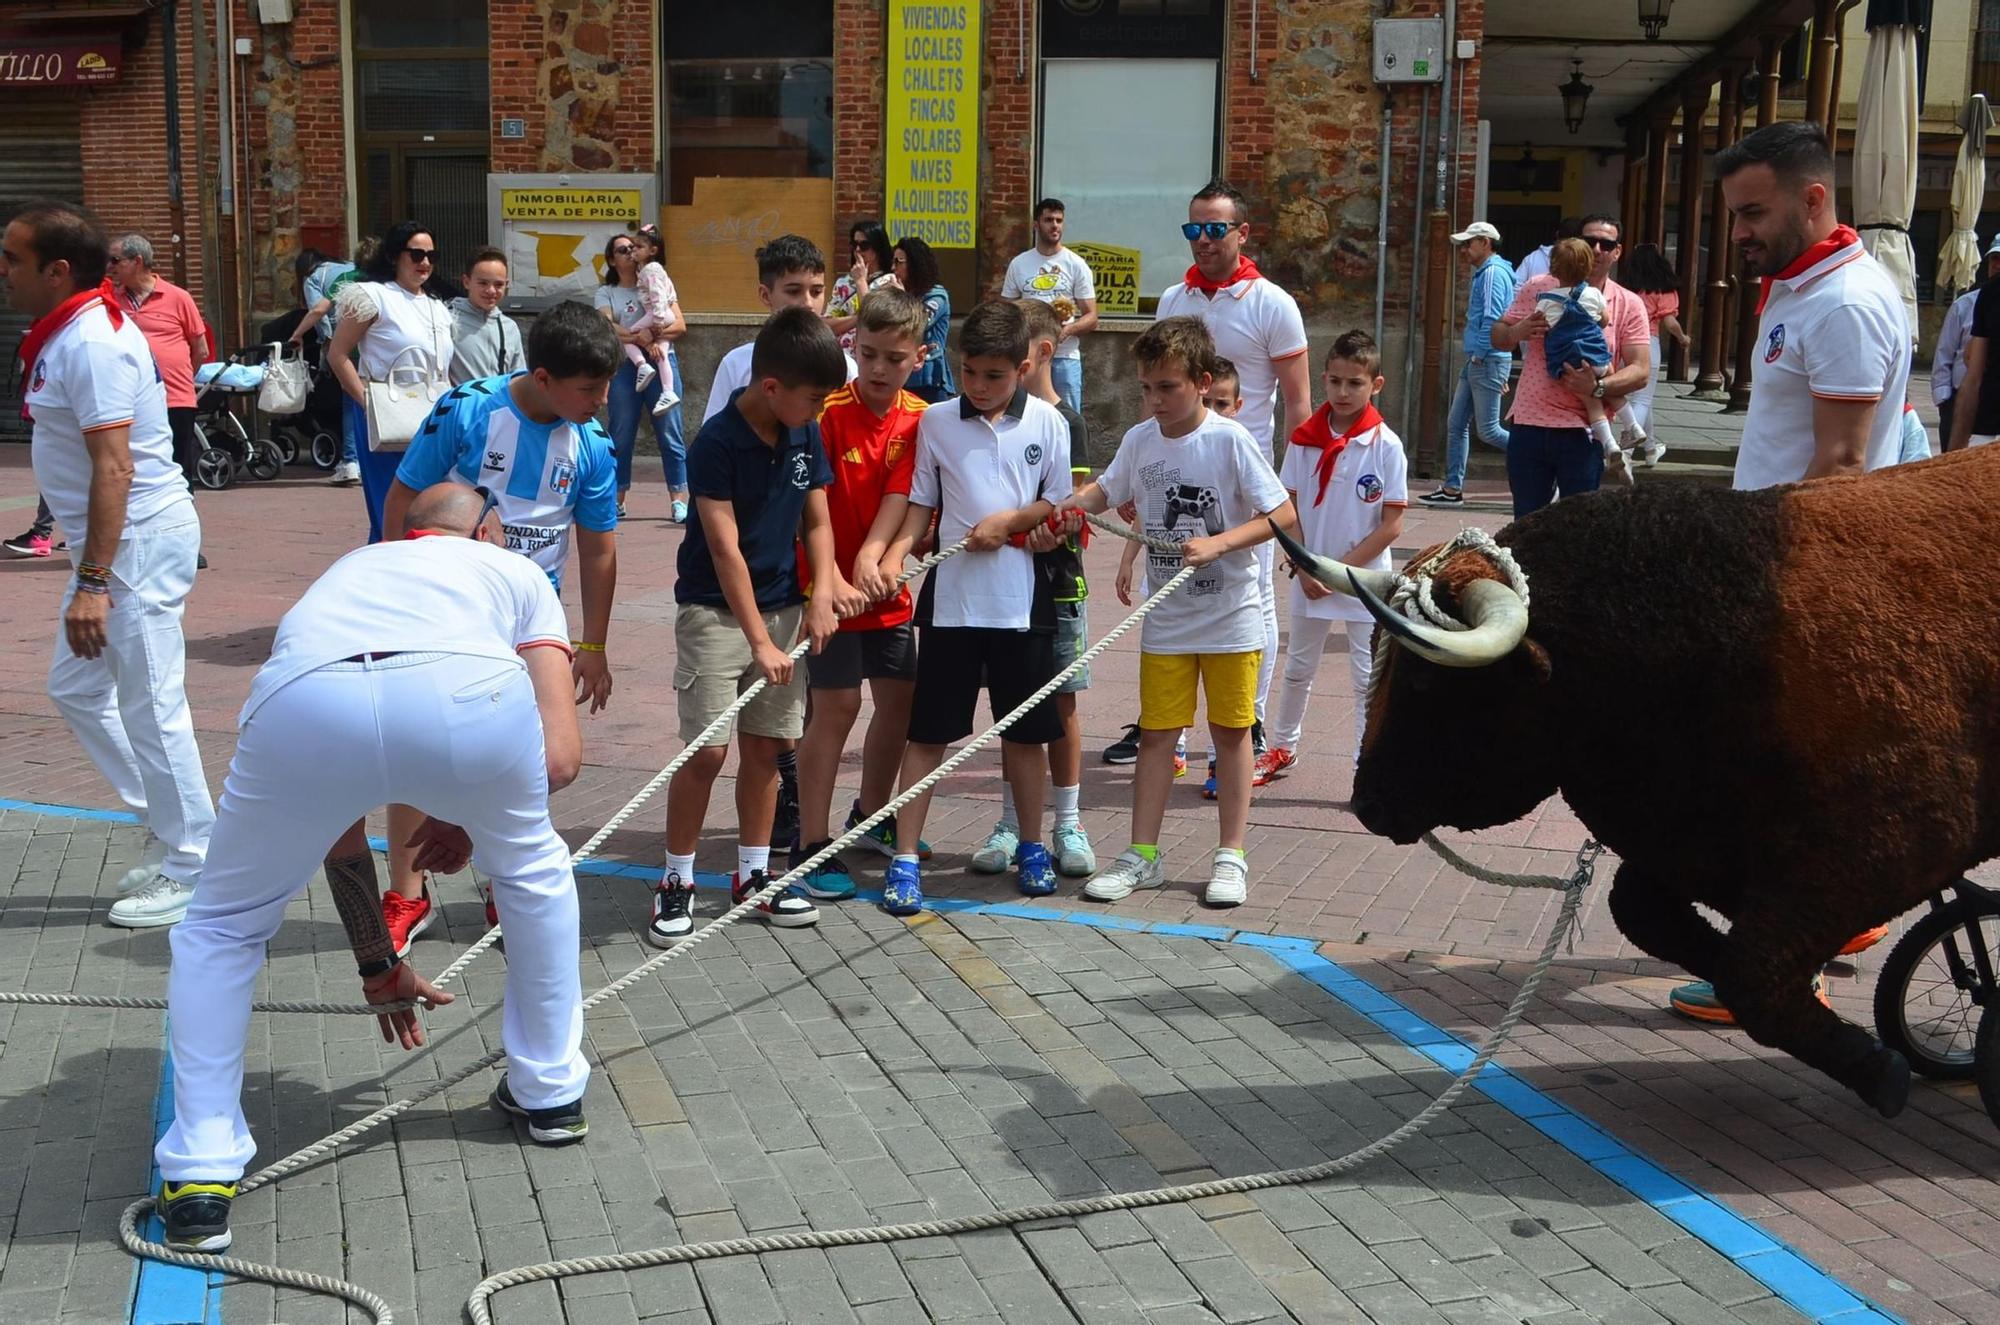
column 41, row 156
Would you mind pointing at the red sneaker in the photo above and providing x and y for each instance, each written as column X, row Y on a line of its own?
column 407, row 917
column 1272, row 764
column 1865, row 940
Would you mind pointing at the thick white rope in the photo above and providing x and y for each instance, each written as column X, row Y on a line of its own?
column 380, row 1310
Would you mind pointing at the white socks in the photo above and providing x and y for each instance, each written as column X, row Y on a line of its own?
column 679, row 872
column 1606, row 439
column 1065, row 804
column 751, row 859
column 1008, row 814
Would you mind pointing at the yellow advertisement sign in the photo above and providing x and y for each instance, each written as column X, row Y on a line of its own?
column 571, row 205
column 932, row 180
column 1115, row 273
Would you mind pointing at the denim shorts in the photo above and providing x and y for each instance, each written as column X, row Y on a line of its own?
column 1072, row 638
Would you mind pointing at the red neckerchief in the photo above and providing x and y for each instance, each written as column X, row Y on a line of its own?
column 1317, row 432
column 1246, row 270
column 47, row 325
column 424, row 533
column 1841, row 237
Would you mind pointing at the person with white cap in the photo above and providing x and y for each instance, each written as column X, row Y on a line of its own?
column 432, row 671
column 1483, row 379
column 1948, row 359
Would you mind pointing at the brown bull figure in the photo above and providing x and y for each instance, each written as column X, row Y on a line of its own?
column 1783, row 705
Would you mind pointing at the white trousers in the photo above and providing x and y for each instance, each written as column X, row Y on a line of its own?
column 1267, row 666
column 1302, row 656
column 128, row 706
column 459, row 738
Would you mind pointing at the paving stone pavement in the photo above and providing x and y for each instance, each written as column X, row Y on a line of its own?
column 853, row 1075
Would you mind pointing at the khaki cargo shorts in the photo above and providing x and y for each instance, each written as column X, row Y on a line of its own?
column 712, row 666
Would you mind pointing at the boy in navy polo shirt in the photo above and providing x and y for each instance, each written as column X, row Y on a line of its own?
column 758, row 474
column 991, row 465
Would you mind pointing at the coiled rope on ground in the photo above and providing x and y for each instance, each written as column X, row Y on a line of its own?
column 478, row 1305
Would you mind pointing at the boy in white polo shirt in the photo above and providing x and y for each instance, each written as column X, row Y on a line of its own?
column 104, row 461
column 991, row 465
column 1202, row 482
column 1350, row 484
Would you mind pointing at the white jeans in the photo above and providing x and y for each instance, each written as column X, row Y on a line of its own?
column 456, row 736
column 1267, row 666
column 1302, row 655
column 1640, row 402
column 128, row 706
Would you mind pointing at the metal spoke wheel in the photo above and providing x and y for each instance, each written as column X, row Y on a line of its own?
column 1935, row 982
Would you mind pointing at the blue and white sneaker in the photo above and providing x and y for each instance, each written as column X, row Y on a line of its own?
column 1038, row 872
column 903, row 888
column 1074, row 856
column 827, row 881
column 883, row 835
column 996, row 853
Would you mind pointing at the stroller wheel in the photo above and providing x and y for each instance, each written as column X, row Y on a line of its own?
column 288, row 447
column 263, row 463
column 325, row 450
column 214, row 470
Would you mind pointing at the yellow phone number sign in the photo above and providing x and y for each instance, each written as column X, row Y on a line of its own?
column 933, row 116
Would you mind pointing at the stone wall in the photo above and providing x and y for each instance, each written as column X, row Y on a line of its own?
column 580, row 72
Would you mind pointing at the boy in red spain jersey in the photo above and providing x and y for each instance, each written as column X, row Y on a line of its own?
column 869, row 428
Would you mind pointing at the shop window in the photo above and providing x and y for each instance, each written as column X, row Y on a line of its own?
column 1129, row 122
column 749, row 92
column 422, row 111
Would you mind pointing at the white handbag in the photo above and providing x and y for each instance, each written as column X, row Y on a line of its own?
column 398, row 406
column 285, row 386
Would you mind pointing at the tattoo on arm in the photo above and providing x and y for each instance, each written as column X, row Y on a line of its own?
column 359, row 900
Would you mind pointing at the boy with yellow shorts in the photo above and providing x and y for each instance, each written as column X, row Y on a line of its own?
column 1202, row 482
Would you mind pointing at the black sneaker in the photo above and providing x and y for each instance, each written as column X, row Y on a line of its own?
column 1124, row 750
column 673, row 912
column 1443, row 497
column 1256, row 739
column 789, row 909
column 200, row 561
column 557, row 1125
column 785, row 823
column 196, row 1214
column 827, row 881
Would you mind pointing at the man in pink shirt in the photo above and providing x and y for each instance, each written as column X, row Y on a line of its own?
column 1550, row 452
column 173, row 327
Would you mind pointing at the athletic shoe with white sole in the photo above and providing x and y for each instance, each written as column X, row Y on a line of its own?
column 1651, row 452
column 30, row 544
column 407, row 917
column 345, row 474
column 196, row 1214
column 673, row 912
column 1074, row 856
column 557, row 1125
column 644, row 377
column 827, row 881
column 882, row 837
column 1124, row 876
column 903, row 888
column 1228, row 879
column 790, row 909
column 1038, row 872
column 1124, row 750
column 161, row 902
column 996, row 853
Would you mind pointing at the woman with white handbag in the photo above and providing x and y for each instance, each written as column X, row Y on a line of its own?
column 403, row 337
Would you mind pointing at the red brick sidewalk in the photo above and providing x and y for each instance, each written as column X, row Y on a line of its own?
column 1907, row 1212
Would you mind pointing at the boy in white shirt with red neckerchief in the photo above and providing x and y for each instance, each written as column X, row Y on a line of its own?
column 1349, row 482
column 1202, row 482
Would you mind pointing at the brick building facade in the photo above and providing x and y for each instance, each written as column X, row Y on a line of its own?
column 330, row 115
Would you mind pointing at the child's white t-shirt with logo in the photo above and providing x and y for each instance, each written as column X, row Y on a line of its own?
column 1197, row 486
column 1370, row 474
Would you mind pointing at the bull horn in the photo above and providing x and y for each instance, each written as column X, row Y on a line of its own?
column 1497, row 617
column 1333, row 574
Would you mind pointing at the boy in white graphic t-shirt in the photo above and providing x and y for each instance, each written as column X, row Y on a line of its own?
column 1202, row 482
column 1350, row 484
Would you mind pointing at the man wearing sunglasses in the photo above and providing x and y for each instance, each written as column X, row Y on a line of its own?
column 434, row 671
column 1550, row 452
column 1256, row 326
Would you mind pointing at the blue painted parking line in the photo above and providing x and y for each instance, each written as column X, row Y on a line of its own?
column 165, row 1294
column 1781, row 1268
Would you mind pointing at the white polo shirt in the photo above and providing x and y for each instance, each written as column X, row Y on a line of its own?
column 733, row 374
column 969, row 468
column 1370, row 475
column 1255, row 324
column 432, row 594
column 1836, row 330
column 90, row 377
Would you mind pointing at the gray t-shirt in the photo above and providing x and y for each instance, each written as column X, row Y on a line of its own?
column 483, row 344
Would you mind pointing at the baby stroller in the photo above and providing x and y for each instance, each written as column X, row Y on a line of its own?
column 314, row 433
column 227, row 446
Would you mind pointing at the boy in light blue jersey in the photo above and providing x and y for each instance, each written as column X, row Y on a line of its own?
column 532, row 440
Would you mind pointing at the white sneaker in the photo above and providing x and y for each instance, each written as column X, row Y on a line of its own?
column 1228, row 880
column 161, row 902
column 1123, row 876
column 666, row 401
column 1651, row 453
column 345, row 474
column 996, row 853
column 148, row 867
column 1617, row 469
column 645, row 377
column 1074, row 857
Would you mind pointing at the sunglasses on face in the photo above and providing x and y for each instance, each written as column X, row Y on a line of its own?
column 489, row 500
column 1206, row 229
column 620, row 250
column 1603, row 245
column 421, row 255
